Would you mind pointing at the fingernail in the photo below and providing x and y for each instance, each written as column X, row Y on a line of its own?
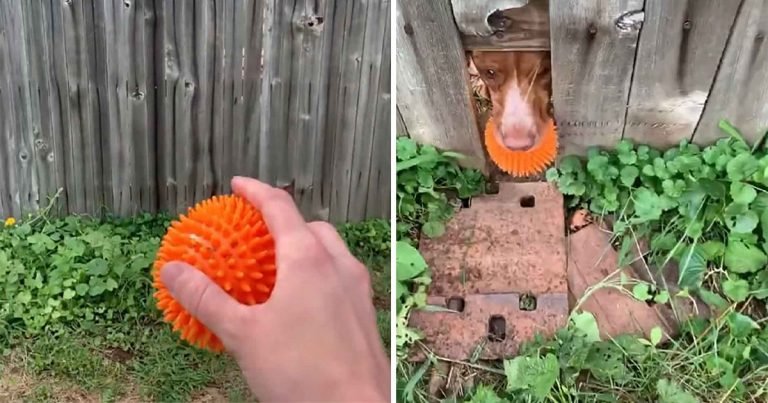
column 171, row 271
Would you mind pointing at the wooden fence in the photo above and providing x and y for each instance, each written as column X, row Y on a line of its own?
column 147, row 105
column 655, row 71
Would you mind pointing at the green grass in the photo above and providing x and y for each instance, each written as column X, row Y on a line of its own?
column 77, row 318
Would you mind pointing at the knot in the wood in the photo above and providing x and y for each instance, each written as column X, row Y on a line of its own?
column 50, row 157
column 313, row 23
column 408, row 28
column 23, row 156
column 592, row 29
column 189, row 85
column 498, row 21
column 39, row 143
column 687, row 24
column 630, row 21
column 127, row 4
column 137, row 94
column 67, row 2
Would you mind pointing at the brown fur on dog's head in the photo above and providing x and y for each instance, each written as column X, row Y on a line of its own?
column 520, row 84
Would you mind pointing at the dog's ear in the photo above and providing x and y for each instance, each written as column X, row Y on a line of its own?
column 468, row 58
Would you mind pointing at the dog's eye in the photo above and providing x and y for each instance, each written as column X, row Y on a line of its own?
column 490, row 73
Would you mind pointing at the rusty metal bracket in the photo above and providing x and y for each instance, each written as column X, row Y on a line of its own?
column 500, row 270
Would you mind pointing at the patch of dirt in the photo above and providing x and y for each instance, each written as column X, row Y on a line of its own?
column 209, row 395
column 118, row 355
column 16, row 385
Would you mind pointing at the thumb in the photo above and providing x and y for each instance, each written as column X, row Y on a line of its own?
column 202, row 298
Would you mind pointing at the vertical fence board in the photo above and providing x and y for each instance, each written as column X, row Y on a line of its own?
column 311, row 45
column 202, row 103
column 740, row 93
column 96, row 193
column 379, row 183
column 592, row 62
column 107, row 136
column 678, row 53
column 349, row 35
column 367, row 107
column 141, row 98
column 223, row 83
column 9, row 203
column 275, row 160
column 44, row 116
column 433, row 90
column 67, row 92
column 184, row 89
column 259, row 21
column 241, row 20
column 167, row 71
column 25, row 192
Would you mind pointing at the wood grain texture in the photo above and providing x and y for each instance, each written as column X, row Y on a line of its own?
column 740, row 93
column 519, row 28
column 146, row 105
column 346, row 82
column 592, row 63
column 369, row 116
column 311, row 45
column 23, row 184
column 680, row 47
column 433, row 92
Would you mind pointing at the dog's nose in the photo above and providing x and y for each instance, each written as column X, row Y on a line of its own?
column 518, row 142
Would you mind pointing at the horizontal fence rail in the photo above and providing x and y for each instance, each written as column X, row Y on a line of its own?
column 151, row 105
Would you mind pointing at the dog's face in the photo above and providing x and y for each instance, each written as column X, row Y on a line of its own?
column 520, row 85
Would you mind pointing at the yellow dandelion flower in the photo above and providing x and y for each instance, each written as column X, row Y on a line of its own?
column 10, row 221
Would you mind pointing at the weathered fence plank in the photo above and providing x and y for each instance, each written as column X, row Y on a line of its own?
column 47, row 167
column 678, row 53
column 346, row 81
column 381, row 165
column 9, row 203
column 154, row 104
column 142, row 98
column 310, row 52
column 740, row 93
column 24, row 184
column 65, row 90
column 593, row 48
column 255, row 81
column 433, row 93
column 368, row 100
column 88, row 70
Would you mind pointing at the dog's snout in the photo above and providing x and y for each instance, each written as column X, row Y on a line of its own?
column 518, row 143
column 518, row 134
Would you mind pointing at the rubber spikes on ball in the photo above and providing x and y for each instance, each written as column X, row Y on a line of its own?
column 522, row 163
column 224, row 237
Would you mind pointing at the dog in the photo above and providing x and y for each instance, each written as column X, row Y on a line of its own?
column 520, row 87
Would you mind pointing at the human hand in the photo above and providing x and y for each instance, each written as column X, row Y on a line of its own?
column 315, row 339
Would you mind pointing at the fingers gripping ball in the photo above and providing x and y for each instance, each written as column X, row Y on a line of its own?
column 522, row 163
column 226, row 238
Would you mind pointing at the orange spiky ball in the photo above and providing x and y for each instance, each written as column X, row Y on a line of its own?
column 226, row 238
column 522, row 163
